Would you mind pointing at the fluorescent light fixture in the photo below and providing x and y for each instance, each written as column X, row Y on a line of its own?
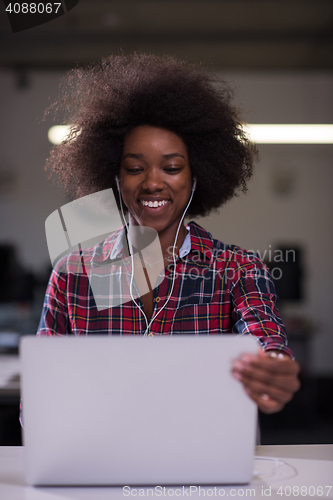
column 261, row 134
column 290, row 134
column 58, row 133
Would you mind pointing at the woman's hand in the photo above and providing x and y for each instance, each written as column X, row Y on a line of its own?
column 269, row 378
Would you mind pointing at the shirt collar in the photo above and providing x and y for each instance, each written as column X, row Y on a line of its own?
column 196, row 239
column 201, row 240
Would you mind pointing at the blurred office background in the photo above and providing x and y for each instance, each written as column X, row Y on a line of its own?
column 278, row 56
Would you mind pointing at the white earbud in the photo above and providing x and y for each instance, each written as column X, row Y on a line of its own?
column 194, row 185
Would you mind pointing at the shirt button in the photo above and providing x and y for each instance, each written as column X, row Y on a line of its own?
column 157, row 299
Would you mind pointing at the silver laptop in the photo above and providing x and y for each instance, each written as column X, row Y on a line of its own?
column 134, row 410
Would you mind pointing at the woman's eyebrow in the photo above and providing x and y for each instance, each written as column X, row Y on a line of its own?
column 172, row 155
column 133, row 155
column 139, row 156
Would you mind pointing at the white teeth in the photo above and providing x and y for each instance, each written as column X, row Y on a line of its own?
column 154, row 204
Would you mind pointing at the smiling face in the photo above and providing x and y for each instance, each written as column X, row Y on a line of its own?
column 155, row 178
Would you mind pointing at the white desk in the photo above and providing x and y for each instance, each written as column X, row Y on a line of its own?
column 307, row 466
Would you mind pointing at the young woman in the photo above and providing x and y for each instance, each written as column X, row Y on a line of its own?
column 164, row 136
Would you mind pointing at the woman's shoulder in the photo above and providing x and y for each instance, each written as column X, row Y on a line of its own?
column 90, row 253
column 203, row 240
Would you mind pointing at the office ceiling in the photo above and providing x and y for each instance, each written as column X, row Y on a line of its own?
column 229, row 34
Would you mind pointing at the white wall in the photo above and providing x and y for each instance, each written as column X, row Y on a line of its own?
column 256, row 220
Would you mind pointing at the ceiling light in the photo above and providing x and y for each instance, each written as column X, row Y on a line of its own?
column 290, row 134
column 58, row 133
column 261, row 134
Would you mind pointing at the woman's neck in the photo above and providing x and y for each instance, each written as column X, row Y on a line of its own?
column 143, row 237
column 167, row 241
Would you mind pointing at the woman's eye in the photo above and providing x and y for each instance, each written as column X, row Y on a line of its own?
column 133, row 170
column 172, row 170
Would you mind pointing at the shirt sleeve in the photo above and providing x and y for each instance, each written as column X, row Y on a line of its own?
column 254, row 307
column 54, row 319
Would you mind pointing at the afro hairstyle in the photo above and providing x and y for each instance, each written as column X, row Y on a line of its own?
column 105, row 101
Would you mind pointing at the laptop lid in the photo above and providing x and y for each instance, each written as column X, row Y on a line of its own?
column 135, row 410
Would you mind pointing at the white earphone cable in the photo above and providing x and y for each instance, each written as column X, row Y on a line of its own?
column 173, row 255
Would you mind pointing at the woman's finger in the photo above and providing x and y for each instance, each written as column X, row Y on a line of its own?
column 270, row 379
column 265, row 403
column 274, row 392
column 265, row 376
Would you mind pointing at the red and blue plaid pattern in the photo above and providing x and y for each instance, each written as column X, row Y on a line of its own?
column 218, row 289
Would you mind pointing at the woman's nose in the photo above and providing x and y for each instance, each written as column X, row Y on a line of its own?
column 153, row 180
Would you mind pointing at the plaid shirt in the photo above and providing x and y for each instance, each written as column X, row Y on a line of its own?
column 218, row 289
